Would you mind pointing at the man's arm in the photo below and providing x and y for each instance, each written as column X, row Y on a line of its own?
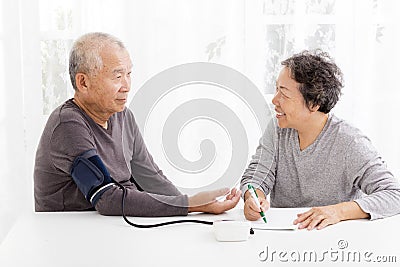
column 206, row 201
column 74, row 137
column 144, row 170
column 140, row 203
column 150, row 178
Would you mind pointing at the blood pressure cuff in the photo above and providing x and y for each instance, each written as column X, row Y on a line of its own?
column 91, row 176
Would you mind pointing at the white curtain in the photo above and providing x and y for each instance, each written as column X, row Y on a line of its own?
column 250, row 36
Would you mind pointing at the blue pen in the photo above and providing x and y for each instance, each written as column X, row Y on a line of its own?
column 254, row 195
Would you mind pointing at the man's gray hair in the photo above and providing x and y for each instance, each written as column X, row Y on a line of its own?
column 85, row 53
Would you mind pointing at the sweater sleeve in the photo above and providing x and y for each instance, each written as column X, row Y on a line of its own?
column 156, row 195
column 262, row 167
column 72, row 138
column 141, row 203
column 369, row 173
column 147, row 175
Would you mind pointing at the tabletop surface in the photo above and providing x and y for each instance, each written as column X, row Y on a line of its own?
column 89, row 239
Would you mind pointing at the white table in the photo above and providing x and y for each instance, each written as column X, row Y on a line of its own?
column 89, row 239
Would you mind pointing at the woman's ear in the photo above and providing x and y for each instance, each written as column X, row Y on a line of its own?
column 82, row 82
column 313, row 108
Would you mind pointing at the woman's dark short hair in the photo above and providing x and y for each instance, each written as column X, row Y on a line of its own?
column 320, row 79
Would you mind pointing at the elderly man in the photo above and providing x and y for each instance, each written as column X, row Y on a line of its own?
column 91, row 146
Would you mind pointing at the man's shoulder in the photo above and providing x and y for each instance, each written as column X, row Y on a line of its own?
column 65, row 115
column 127, row 117
column 69, row 112
column 128, row 114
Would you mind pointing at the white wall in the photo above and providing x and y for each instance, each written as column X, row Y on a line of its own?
column 161, row 34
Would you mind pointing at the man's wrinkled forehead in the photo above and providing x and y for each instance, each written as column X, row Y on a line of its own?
column 116, row 59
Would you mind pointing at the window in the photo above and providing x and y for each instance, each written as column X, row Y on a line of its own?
column 58, row 22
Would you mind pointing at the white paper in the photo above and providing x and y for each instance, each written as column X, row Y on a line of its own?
column 278, row 219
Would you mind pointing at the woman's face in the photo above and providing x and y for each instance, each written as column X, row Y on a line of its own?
column 291, row 110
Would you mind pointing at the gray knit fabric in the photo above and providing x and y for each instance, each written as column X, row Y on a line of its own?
column 341, row 165
column 69, row 132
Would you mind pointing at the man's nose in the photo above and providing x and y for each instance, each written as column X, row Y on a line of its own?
column 126, row 84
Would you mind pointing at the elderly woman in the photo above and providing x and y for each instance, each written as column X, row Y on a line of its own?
column 311, row 158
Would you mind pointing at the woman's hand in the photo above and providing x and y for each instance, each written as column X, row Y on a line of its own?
column 251, row 211
column 320, row 217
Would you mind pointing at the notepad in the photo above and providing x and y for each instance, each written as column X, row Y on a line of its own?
column 278, row 219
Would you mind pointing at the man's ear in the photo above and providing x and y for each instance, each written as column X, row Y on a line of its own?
column 82, row 82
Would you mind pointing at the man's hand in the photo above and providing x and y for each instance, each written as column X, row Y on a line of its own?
column 206, row 201
column 251, row 211
column 320, row 217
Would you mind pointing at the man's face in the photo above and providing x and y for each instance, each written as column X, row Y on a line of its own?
column 290, row 107
column 109, row 87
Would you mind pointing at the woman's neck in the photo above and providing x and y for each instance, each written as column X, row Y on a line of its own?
column 311, row 130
